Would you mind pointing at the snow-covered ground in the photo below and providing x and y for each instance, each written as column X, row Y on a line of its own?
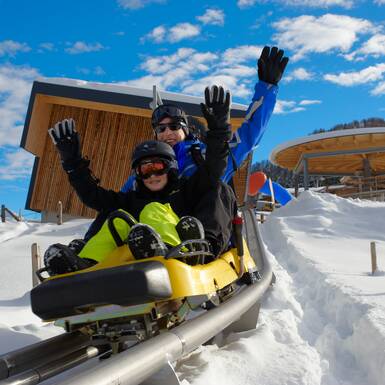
column 322, row 323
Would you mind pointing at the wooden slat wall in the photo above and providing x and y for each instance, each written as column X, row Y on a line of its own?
column 108, row 139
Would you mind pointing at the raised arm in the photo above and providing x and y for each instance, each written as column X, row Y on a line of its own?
column 271, row 66
column 216, row 111
column 67, row 142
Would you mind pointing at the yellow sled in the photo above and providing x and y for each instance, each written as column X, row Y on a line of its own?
column 121, row 280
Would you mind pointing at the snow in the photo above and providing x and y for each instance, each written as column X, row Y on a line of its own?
column 322, row 323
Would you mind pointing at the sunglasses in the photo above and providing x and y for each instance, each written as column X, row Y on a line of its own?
column 150, row 167
column 172, row 126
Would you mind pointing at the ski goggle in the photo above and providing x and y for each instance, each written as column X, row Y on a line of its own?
column 167, row 110
column 149, row 167
column 172, row 126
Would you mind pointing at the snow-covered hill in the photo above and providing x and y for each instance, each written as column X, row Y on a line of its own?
column 322, row 323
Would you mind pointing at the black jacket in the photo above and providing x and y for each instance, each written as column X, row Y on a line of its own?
column 183, row 195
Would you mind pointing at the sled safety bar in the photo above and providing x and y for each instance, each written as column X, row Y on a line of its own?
column 200, row 247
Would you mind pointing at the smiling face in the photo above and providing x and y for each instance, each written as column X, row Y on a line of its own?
column 156, row 182
column 169, row 136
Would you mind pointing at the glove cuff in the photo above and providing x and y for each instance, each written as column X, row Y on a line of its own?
column 224, row 133
column 70, row 166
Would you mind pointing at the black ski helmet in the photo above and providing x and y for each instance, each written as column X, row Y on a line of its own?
column 154, row 148
column 171, row 111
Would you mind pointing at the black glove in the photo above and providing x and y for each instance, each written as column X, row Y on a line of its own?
column 66, row 140
column 271, row 65
column 216, row 111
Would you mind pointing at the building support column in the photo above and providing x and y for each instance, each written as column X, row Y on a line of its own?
column 305, row 174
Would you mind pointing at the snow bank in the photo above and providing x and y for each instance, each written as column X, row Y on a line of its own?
column 323, row 322
column 323, row 242
column 18, row 325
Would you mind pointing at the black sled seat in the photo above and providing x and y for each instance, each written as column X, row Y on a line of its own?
column 124, row 285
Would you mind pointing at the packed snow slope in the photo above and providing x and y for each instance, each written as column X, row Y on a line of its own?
column 323, row 322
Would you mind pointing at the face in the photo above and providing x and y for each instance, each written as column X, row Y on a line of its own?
column 169, row 136
column 156, row 182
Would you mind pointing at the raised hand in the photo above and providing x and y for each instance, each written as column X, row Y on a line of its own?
column 66, row 139
column 216, row 108
column 271, row 65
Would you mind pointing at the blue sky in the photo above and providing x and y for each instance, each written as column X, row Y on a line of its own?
column 336, row 71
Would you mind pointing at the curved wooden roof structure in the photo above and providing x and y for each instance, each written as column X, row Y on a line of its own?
column 343, row 152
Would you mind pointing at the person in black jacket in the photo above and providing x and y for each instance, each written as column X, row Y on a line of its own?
column 203, row 195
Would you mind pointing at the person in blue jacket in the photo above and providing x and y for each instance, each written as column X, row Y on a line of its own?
column 171, row 125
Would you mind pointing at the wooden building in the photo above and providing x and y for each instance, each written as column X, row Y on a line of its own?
column 111, row 119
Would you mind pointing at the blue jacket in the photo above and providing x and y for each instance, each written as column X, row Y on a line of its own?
column 244, row 142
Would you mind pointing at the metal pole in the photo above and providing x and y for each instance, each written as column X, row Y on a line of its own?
column 296, row 185
column 36, row 263
column 2, row 213
column 305, row 174
column 60, row 213
column 373, row 254
column 35, row 355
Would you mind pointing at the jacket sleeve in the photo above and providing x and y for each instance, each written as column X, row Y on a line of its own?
column 254, row 125
column 217, row 154
column 129, row 185
column 92, row 195
column 209, row 173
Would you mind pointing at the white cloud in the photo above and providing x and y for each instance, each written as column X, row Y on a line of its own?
column 197, row 86
column 287, row 107
column 246, row 3
column 190, row 71
column 212, row 16
column 306, row 34
column 169, row 71
column 16, row 164
column 240, row 71
column 195, row 61
column 94, row 71
column 46, row 47
column 290, row 106
column 11, row 48
column 183, row 31
column 242, row 54
column 81, row 47
column 375, row 46
column 348, row 79
column 379, row 2
column 308, row 102
column 15, row 87
column 298, row 74
column 136, row 4
column 302, row 3
column 379, row 89
column 157, row 35
column 174, row 34
column 147, row 82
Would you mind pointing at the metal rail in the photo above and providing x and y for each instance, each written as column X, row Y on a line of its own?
column 140, row 362
column 145, row 359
